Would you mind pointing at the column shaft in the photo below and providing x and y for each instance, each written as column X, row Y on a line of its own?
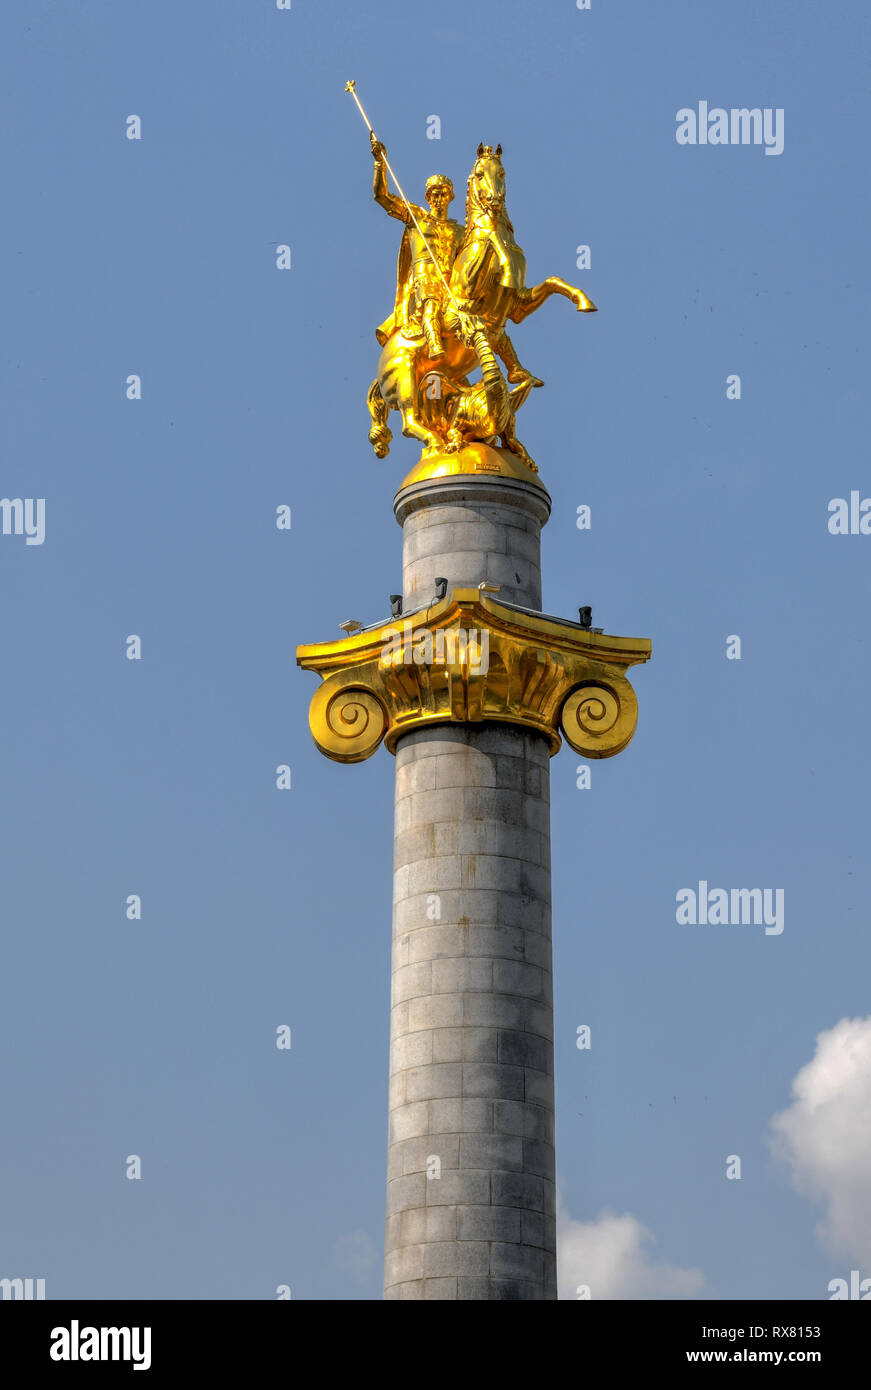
column 471, row 1181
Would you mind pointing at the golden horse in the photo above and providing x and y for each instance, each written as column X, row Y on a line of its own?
column 488, row 287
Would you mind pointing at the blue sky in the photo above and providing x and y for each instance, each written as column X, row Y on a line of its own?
column 157, row 777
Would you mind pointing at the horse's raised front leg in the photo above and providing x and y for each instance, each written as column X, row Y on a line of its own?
column 530, row 300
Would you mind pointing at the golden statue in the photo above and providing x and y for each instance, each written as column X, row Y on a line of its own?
column 457, row 287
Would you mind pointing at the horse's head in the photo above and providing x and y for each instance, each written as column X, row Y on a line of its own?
column 486, row 188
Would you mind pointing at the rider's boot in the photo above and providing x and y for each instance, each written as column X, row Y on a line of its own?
column 431, row 330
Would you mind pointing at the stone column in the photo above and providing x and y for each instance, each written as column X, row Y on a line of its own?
column 471, row 1195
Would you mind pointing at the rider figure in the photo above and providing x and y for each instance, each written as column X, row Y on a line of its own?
column 418, row 279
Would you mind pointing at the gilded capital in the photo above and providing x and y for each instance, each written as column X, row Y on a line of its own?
column 469, row 659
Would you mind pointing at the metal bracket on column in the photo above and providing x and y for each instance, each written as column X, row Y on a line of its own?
column 469, row 659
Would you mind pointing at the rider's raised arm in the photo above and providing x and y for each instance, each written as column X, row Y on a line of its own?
column 380, row 191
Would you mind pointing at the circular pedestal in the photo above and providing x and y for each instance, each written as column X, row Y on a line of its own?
column 472, row 524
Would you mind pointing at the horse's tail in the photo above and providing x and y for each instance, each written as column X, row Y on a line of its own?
column 379, row 435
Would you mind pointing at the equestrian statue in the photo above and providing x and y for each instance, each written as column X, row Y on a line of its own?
column 457, row 286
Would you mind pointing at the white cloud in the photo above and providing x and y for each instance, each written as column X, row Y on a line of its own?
column 612, row 1256
column 825, row 1135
